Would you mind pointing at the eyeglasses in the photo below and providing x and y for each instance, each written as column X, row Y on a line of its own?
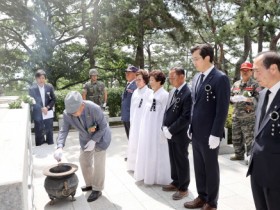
column 195, row 59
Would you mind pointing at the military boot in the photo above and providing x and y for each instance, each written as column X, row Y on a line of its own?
column 235, row 157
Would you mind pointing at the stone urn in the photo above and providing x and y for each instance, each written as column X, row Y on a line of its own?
column 61, row 181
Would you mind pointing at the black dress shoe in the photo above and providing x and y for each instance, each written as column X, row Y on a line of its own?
column 94, row 196
column 86, row 188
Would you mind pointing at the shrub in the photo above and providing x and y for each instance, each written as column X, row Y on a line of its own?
column 114, row 101
column 229, row 123
column 59, row 104
column 15, row 104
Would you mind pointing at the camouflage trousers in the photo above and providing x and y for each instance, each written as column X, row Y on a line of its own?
column 242, row 134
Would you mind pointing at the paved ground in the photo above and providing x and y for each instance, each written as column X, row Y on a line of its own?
column 122, row 192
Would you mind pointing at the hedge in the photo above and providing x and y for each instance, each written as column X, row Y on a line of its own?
column 229, row 124
column 114, row 101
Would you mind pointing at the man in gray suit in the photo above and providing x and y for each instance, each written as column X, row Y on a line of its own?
column 94, row 135
column 264, row 166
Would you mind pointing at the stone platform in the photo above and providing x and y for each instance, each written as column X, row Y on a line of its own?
column 122, row 192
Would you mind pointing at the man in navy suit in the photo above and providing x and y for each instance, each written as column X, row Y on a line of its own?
column 175, row 126
column 45, row 99
column 211, row 97
column 264, row 166
column 130, row 75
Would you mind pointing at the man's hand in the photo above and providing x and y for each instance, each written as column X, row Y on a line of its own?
column 92, row 129
column 58, row 154
column 45, row 110
column 90, row 146
column 213, row 142
column 166, row 132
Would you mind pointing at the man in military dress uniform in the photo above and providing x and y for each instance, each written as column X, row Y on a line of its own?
column 94, row 90
column 244, row 98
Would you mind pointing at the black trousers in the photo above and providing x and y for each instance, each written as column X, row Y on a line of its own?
column 126, row 127
column 179, row 162
column 41, row 128
column 207, row 173
column 265, row 198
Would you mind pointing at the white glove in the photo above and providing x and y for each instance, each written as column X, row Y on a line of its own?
column 189, row 132
column 213, row 142
column 247, row 159
column 90, row 146
column 166, row 132
column 104, row 105
column 58, row 154
column 238, row 98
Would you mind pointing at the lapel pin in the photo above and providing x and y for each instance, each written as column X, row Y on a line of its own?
column 274, row 116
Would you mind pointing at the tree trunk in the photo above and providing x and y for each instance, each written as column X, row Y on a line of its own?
column 93, row 32
column 260, row 38
column 273, row 42
column 247, row 49
column 149, row 57
column 139, row 60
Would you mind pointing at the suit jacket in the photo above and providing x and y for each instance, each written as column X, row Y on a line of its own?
column 265, row 152
column 126, row 101
column 49, row 100
column 210, row 105
column 177, row 115
column 94, row 116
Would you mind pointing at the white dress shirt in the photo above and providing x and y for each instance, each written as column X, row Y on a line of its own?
column 42, row 93
column 274, row 89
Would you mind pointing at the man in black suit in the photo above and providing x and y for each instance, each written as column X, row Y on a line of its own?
column 175, row 126
column 211, row 97
column 42, row 111
column 264, row 166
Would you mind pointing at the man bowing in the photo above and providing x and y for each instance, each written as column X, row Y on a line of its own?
column 264, row 166
column 175, row 126
column 211, row 96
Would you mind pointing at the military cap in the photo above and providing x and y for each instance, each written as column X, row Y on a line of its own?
column 93, row 72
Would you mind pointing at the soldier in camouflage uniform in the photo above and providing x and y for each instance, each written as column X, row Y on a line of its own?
column 95, row 90
column 244, row 98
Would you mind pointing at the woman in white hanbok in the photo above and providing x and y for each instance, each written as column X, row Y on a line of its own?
column 138, row 101
column 152, row 160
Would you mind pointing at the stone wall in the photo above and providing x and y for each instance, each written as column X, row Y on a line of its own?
column 16, row 188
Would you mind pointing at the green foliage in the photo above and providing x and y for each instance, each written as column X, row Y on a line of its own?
column 60, row 96
column 15, row 104
column 114, row 101
column 229, row 124
column 27, row 99
column 59, row 104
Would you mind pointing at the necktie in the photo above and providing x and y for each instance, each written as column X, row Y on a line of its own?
column 174, row 96
column 264, row 106
column 198, row 85
column 125, row 92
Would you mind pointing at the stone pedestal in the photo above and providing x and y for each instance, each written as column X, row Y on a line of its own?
column 16, row 188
